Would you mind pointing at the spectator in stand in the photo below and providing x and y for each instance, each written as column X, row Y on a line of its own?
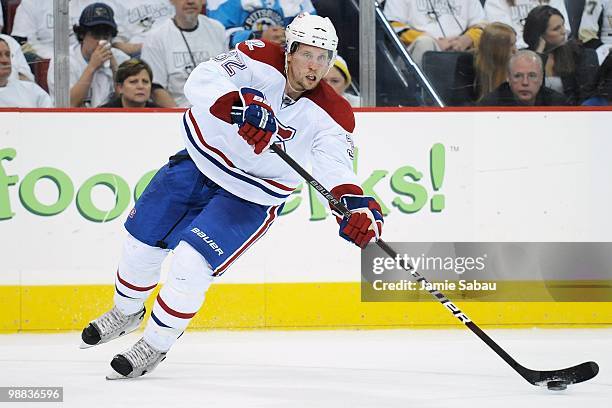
column 497, row 45
column 21, row 69
column 452, row 25
column 339, row 78
column 514, row 13
column 16, row 93
column 565, row 67
column 590, row 29
column 265, row 19
column 602, row 94
column 135, row 19
column 524, row 86
column 92, row 60
column 132, row 86
column 33, row 25
column 176, row 46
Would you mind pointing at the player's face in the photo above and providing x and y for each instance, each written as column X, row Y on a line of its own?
column 336, row 80
column 525, row 80
column 307, row 66
column 135, row 90
column 5, row 60
column 188, row 8
column 555, row 32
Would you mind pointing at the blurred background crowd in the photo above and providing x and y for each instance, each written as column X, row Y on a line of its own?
column 139, row 53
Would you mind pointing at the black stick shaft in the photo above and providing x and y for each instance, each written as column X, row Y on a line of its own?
column 393, row 254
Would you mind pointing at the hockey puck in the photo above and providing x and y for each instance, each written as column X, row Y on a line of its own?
column 556, row 385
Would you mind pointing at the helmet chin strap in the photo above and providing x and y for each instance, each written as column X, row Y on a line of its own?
column 287, row 76
column 292, row 88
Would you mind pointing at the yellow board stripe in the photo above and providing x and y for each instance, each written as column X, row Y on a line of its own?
column 287, row 306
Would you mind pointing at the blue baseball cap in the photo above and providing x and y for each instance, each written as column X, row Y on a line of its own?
column 97, row 14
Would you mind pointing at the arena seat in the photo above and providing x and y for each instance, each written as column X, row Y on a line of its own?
column 574, row 13
column 11, row 9
column 452, row 75
column 40, row 69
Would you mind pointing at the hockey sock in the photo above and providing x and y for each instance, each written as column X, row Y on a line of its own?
column 138, row 274
column 180, row 298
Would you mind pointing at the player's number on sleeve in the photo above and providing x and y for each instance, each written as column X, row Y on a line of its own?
column 231, row 62
column 591, row 4
column 252, row 44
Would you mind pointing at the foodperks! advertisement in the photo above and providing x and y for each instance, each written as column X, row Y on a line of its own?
column 68, row 180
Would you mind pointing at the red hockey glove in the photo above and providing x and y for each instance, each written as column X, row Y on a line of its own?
column 365, row 222
column 257, row 124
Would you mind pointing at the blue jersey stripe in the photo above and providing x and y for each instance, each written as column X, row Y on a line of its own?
column 122, row 294
column 225, row 169
column 156, row 320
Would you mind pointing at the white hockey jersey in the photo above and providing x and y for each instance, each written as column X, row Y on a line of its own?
column 316, row 129
column 589, row 25
column 135, row 18
column 102, row 84
column 514, row 16
column 438, row 18
column 173, row 53
column 23, row 94
column 34, row 20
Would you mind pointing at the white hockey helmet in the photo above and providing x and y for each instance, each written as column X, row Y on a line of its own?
column 312, row 30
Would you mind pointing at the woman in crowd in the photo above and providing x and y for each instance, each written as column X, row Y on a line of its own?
column 132, row 86
column 565, row 67
column 497, row 45
column 339, row 78
column 514, row 13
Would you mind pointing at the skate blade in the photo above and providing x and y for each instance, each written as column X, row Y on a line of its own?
column 113, row 375
column 84, row 345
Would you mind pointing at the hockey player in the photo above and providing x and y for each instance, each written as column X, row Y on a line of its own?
column 215, row 199
column 591, row 33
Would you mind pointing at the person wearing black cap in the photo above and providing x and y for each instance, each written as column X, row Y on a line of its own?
column 92, row 60
column 33, row 25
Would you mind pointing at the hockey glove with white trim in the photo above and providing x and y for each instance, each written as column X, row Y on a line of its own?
column 365, row 222
column 257, row 124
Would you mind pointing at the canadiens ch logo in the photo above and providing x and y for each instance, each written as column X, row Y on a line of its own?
column 283, row 134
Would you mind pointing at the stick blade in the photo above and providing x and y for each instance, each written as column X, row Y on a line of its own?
column 571, row 375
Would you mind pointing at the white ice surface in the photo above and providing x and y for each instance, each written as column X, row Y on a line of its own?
column 391, row 368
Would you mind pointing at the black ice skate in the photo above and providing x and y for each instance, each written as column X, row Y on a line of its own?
column 142, row 358
column 109, row 326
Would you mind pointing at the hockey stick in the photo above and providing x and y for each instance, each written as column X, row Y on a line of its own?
column 554, row 380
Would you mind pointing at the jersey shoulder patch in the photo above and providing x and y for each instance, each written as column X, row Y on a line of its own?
column 266, row 52
column 338, row 108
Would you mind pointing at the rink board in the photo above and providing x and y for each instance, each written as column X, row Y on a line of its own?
column 289, row 306
column 68, row 180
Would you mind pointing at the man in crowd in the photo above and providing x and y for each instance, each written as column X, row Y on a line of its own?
column 525, row 85
column 93, row 61
column 16, row 93
column 173, row 48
